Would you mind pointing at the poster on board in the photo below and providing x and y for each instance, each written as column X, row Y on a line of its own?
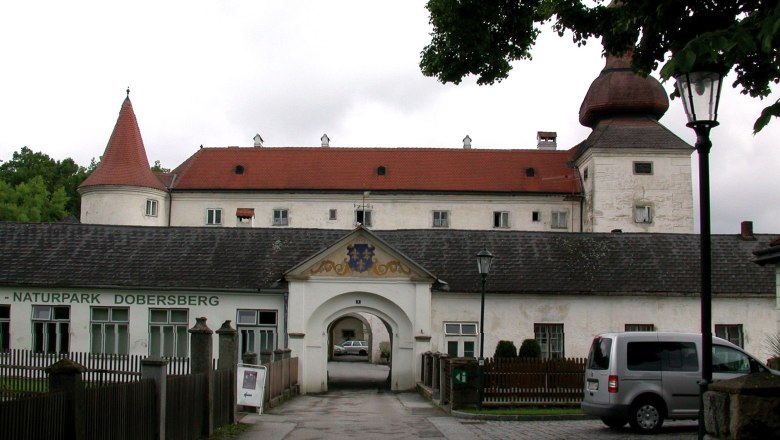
column 251, row 385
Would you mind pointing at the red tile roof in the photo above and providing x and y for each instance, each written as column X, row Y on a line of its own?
column 405, row 169
column 124, row 161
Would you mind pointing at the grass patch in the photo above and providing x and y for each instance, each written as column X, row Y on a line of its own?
column 525, row 411
column 228, row 432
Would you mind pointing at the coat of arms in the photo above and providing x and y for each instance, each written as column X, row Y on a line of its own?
column 361, row 257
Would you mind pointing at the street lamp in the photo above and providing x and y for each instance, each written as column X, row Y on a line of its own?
column 484, row 259
column 700, row 93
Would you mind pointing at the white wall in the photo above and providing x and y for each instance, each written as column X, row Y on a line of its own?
column 217, row 307
column 612, row 190
column 388, row 211
column 512, row 317
column 122, row 205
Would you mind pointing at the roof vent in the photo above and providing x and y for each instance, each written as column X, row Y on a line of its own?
column 239, row 169
column 258, row 140
column 530, row 172
column 381, row 170
column 325, row 140
column 467, row 143
column 546, row 140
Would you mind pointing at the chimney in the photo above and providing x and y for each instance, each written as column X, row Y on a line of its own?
column 746, row 232
column 467, row 143
column 546, row 140
column 258, row 140
column 325, row 140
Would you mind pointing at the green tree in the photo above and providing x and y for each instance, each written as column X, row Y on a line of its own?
column 530, row 349
column 158, row 168
column 483, row 37
column 31, row 201
column 505, row 349
column 63, row 175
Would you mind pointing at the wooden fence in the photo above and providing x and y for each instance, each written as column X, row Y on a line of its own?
column 522, row 381
column 282, row 377
column 38, row 416
column 22, row 371
column 508, row 381
column 121, row 411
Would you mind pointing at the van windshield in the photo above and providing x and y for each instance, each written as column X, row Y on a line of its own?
column 598, row 358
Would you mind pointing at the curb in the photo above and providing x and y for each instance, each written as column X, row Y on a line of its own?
column 522, row 418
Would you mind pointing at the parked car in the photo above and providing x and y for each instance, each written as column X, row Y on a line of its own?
column 338, row 350
column 642, row 378
column 355, row 347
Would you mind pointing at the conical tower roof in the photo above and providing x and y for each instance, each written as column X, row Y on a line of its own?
column 618, row 91
column 124, row 162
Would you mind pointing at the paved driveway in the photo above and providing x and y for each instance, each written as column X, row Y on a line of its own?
column 375, row 415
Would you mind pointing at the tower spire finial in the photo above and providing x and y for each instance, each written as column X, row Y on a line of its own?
column 128, row 91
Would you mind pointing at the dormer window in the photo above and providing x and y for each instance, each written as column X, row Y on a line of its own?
column 239, row 169
column 381, row 170
column 530, row 172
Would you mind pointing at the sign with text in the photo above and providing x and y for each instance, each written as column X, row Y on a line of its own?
column 251, row 385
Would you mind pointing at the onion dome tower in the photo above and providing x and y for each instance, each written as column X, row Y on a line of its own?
column 123, row 190
column 636, row 173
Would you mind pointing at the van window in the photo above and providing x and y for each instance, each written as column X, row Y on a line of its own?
column 680, row 356
column 728, row 360
column 644, row 356
column 598, row 359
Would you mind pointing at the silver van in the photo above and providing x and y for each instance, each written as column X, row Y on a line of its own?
column 642, row 378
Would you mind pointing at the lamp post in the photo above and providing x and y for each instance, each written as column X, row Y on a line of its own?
column 700, row 93
column 484, row 259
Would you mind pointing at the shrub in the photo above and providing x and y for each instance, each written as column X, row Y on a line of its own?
column 505, row 349
column 530, row 349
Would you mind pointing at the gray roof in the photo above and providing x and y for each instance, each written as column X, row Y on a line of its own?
column 631, row 132
column 179, row 258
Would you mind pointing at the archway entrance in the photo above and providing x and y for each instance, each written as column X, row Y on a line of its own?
column 360, row 347
column 362, row 282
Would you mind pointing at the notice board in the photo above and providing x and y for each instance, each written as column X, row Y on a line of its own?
column 251, row 385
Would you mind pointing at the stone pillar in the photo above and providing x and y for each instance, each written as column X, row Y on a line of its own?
column 250, row 358
column 156, row 368
column 266, row 357
column 465, row 383
column 65, row 377
column 201, row 352
column 228, row 346
column 743, row 408
column 443, row 364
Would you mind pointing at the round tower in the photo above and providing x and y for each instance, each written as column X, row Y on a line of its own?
column 123, row 190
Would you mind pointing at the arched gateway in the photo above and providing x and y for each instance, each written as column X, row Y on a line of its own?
column 359, row 273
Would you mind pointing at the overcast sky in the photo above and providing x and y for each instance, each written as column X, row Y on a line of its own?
column 215, row 73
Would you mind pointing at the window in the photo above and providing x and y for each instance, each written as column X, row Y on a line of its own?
column 536, row 216
column 643, row 168
column 585, row 174
column 108, row 329
column 441, row 219
column 256, row 330
column 363, row 217
column 729, row 360
column 500, row 219
column 51, row 328
column 461, row 338
column 151, row 208
column 550, row 339
column 168, row 332
column 280, row 217
column 643, row 214
column 5, row 327
column 662, row 356
column 559, row 220
column 332, row 215
column 214, row 216
column 731, row 333
column 640, row 327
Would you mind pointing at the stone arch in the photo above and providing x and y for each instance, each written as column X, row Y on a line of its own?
column 314, row 364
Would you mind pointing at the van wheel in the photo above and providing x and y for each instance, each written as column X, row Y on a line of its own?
column 646, row 416
column 614, row 422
